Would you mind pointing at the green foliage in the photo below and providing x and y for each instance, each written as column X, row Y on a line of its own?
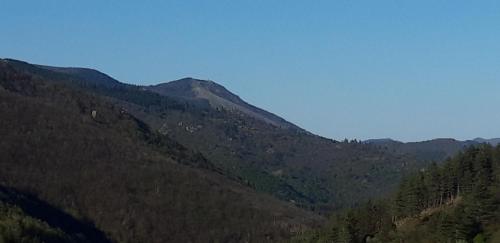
column 479, row 239
column 455, row 202
column 16, row 226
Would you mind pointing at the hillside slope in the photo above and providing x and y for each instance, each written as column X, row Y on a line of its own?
column 89, row 157
column 286, row 162
column 293, row 165
column 458, row 201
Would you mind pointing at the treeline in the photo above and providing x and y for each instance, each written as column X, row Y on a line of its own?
column 457, row 201
column 470, row 175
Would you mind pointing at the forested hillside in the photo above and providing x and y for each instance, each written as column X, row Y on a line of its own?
column 288, row 163
column 90, row 159
column 141, row 166
column 458, row 201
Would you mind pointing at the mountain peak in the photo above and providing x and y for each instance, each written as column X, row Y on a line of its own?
column 189, row 83
column 218, row 97
column 191, row 79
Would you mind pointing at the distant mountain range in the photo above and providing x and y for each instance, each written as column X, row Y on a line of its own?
column 492, row 141
column 189, row 149
column 435, row 149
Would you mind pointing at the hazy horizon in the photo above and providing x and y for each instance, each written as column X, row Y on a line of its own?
column 364, row 70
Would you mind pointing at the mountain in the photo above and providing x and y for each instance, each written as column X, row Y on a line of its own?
column 95, row 164
column 290, row 164
column 286, row 162
column 432, row 150
column 184, row 161
column 493, row 141
column 218, row 97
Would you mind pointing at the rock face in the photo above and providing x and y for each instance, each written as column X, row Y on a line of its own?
column 219, row 98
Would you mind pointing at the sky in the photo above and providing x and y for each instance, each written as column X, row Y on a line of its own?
column 408, row 70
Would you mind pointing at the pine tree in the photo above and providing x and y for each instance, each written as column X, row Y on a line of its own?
column 432, row 183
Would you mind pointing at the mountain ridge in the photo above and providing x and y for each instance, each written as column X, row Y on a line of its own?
column 86, row 74
column 83, row 153
column 433, row 150
column 218, row 97
column 165, row 88
column 309, row 170
column 306, row 169
column 491, row 141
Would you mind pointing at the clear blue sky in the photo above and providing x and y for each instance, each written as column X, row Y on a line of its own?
column 410, row 70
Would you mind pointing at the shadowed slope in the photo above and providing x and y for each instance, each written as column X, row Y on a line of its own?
column 132, row 183
column 73, row 230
